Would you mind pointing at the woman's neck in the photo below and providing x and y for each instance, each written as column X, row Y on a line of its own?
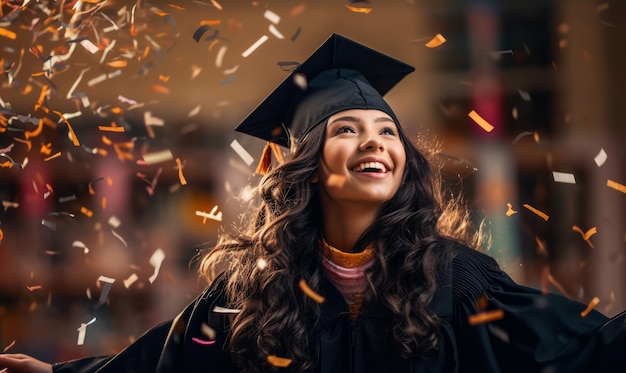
column 343, row 225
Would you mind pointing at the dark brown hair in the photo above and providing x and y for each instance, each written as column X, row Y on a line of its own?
column 409, row 238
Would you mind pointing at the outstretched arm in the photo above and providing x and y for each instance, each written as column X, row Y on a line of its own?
column 20, row 363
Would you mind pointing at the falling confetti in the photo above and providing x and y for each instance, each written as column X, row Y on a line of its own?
column 247, row 158
column 562, row 177
column 436, row 41
column 600, row 158
column 537, row 212
column 202, row 341
column 156, row 260
column 279, row 362
column 510, row 210
column 82, row 331
column 586, row 235
column 213, row 214
column 592, row 304
column 615, row 185
column 158, row 157
column 310, row 292
column 520, row 136
column 108, row 282
column 218, row 309
column 254, row 46
column 480, row 121
column 356, row 9
column 485, row 317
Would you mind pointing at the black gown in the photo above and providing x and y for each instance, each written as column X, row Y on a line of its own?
column 536, row 333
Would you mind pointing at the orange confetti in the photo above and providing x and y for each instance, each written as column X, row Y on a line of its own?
column 547, row 279
column 56, row 155
column 336, row 180
column 298, row 9
column 69, row 127
column 175, row 6
column 358, row 9
column 33, row 288
column 482, row 303
column 36, row 132
column 7, row 33
column 480, row 121
column 436, row 41
column 117, row 64
column 181, row 177
column 586, row 235
column 111, row 128
column 85, row 211
column 39, row 104
column 104, row 203
column 159, row 89
column 280, row 362
column 309, row 292
column 210, row 22
column 46, row 149
column 615, row 185
column 1, row 234
column 164, row 78
column 541, row 214
column 510, row 210
column 592, row 304
column 485, row 317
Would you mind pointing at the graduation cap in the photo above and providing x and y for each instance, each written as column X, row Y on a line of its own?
column 340, row 75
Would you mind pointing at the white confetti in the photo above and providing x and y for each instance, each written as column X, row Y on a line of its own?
column 524, row 95
column 82, row 331
column 114, row 221
column 158, row 157
column 91, row 47
column 211, row 215
column 563, row 177
column 130, row 280
column 81, row 245
column 219, row 58
column 150, row 120
column 219, row 309
column 275, row 32
column 155, row 260
column 600, row 158
column 254, row 46
column 242, row 152
column 108, row 281
column 272, row 17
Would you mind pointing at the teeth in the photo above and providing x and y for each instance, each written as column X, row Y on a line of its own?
column 370, row 165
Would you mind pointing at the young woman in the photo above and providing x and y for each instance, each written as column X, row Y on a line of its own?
column 354, row 262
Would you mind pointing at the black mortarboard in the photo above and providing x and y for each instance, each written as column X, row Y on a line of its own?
column 342, row 74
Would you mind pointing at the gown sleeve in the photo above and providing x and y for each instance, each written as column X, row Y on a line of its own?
column 530, row 331
column 177, row 345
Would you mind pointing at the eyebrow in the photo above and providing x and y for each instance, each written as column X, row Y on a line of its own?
column 356, row 120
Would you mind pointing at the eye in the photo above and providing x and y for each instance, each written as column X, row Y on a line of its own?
column 344, row 129
column 388, row 131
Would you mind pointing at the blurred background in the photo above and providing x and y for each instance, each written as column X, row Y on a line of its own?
column 118, row 165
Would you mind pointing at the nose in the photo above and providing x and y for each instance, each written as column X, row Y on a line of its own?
column 371, row 143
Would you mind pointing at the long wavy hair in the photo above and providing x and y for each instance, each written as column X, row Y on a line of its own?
column 283, row 232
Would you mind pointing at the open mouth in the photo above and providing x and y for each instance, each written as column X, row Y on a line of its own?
column 376, row 167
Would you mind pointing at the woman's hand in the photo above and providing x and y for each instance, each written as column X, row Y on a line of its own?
column 20, row 363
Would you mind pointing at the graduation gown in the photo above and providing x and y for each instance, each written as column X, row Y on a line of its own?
column 533, row 332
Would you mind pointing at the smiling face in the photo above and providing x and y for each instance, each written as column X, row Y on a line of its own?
column 363, row 159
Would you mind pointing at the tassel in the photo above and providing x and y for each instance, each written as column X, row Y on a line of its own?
column 266, row 157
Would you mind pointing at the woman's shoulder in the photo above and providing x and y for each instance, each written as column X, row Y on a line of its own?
column 471, row 272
